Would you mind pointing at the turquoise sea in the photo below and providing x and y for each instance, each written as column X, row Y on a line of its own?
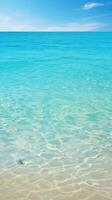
column 56, row 116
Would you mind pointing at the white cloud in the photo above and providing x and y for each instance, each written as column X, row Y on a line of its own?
column 94, row 17
column 91, row 5
column 18, row 23
column 12, row 24
column 74, row 27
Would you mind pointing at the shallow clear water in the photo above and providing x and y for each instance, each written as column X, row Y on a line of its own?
column 56, row 111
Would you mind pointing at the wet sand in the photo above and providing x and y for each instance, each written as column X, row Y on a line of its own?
column 26, row 185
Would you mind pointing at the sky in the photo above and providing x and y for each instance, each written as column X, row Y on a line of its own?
column 56, row 15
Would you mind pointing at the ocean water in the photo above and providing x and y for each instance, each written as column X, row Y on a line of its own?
column 56, row 116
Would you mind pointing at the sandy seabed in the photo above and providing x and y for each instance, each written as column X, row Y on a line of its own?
column 43, row 185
